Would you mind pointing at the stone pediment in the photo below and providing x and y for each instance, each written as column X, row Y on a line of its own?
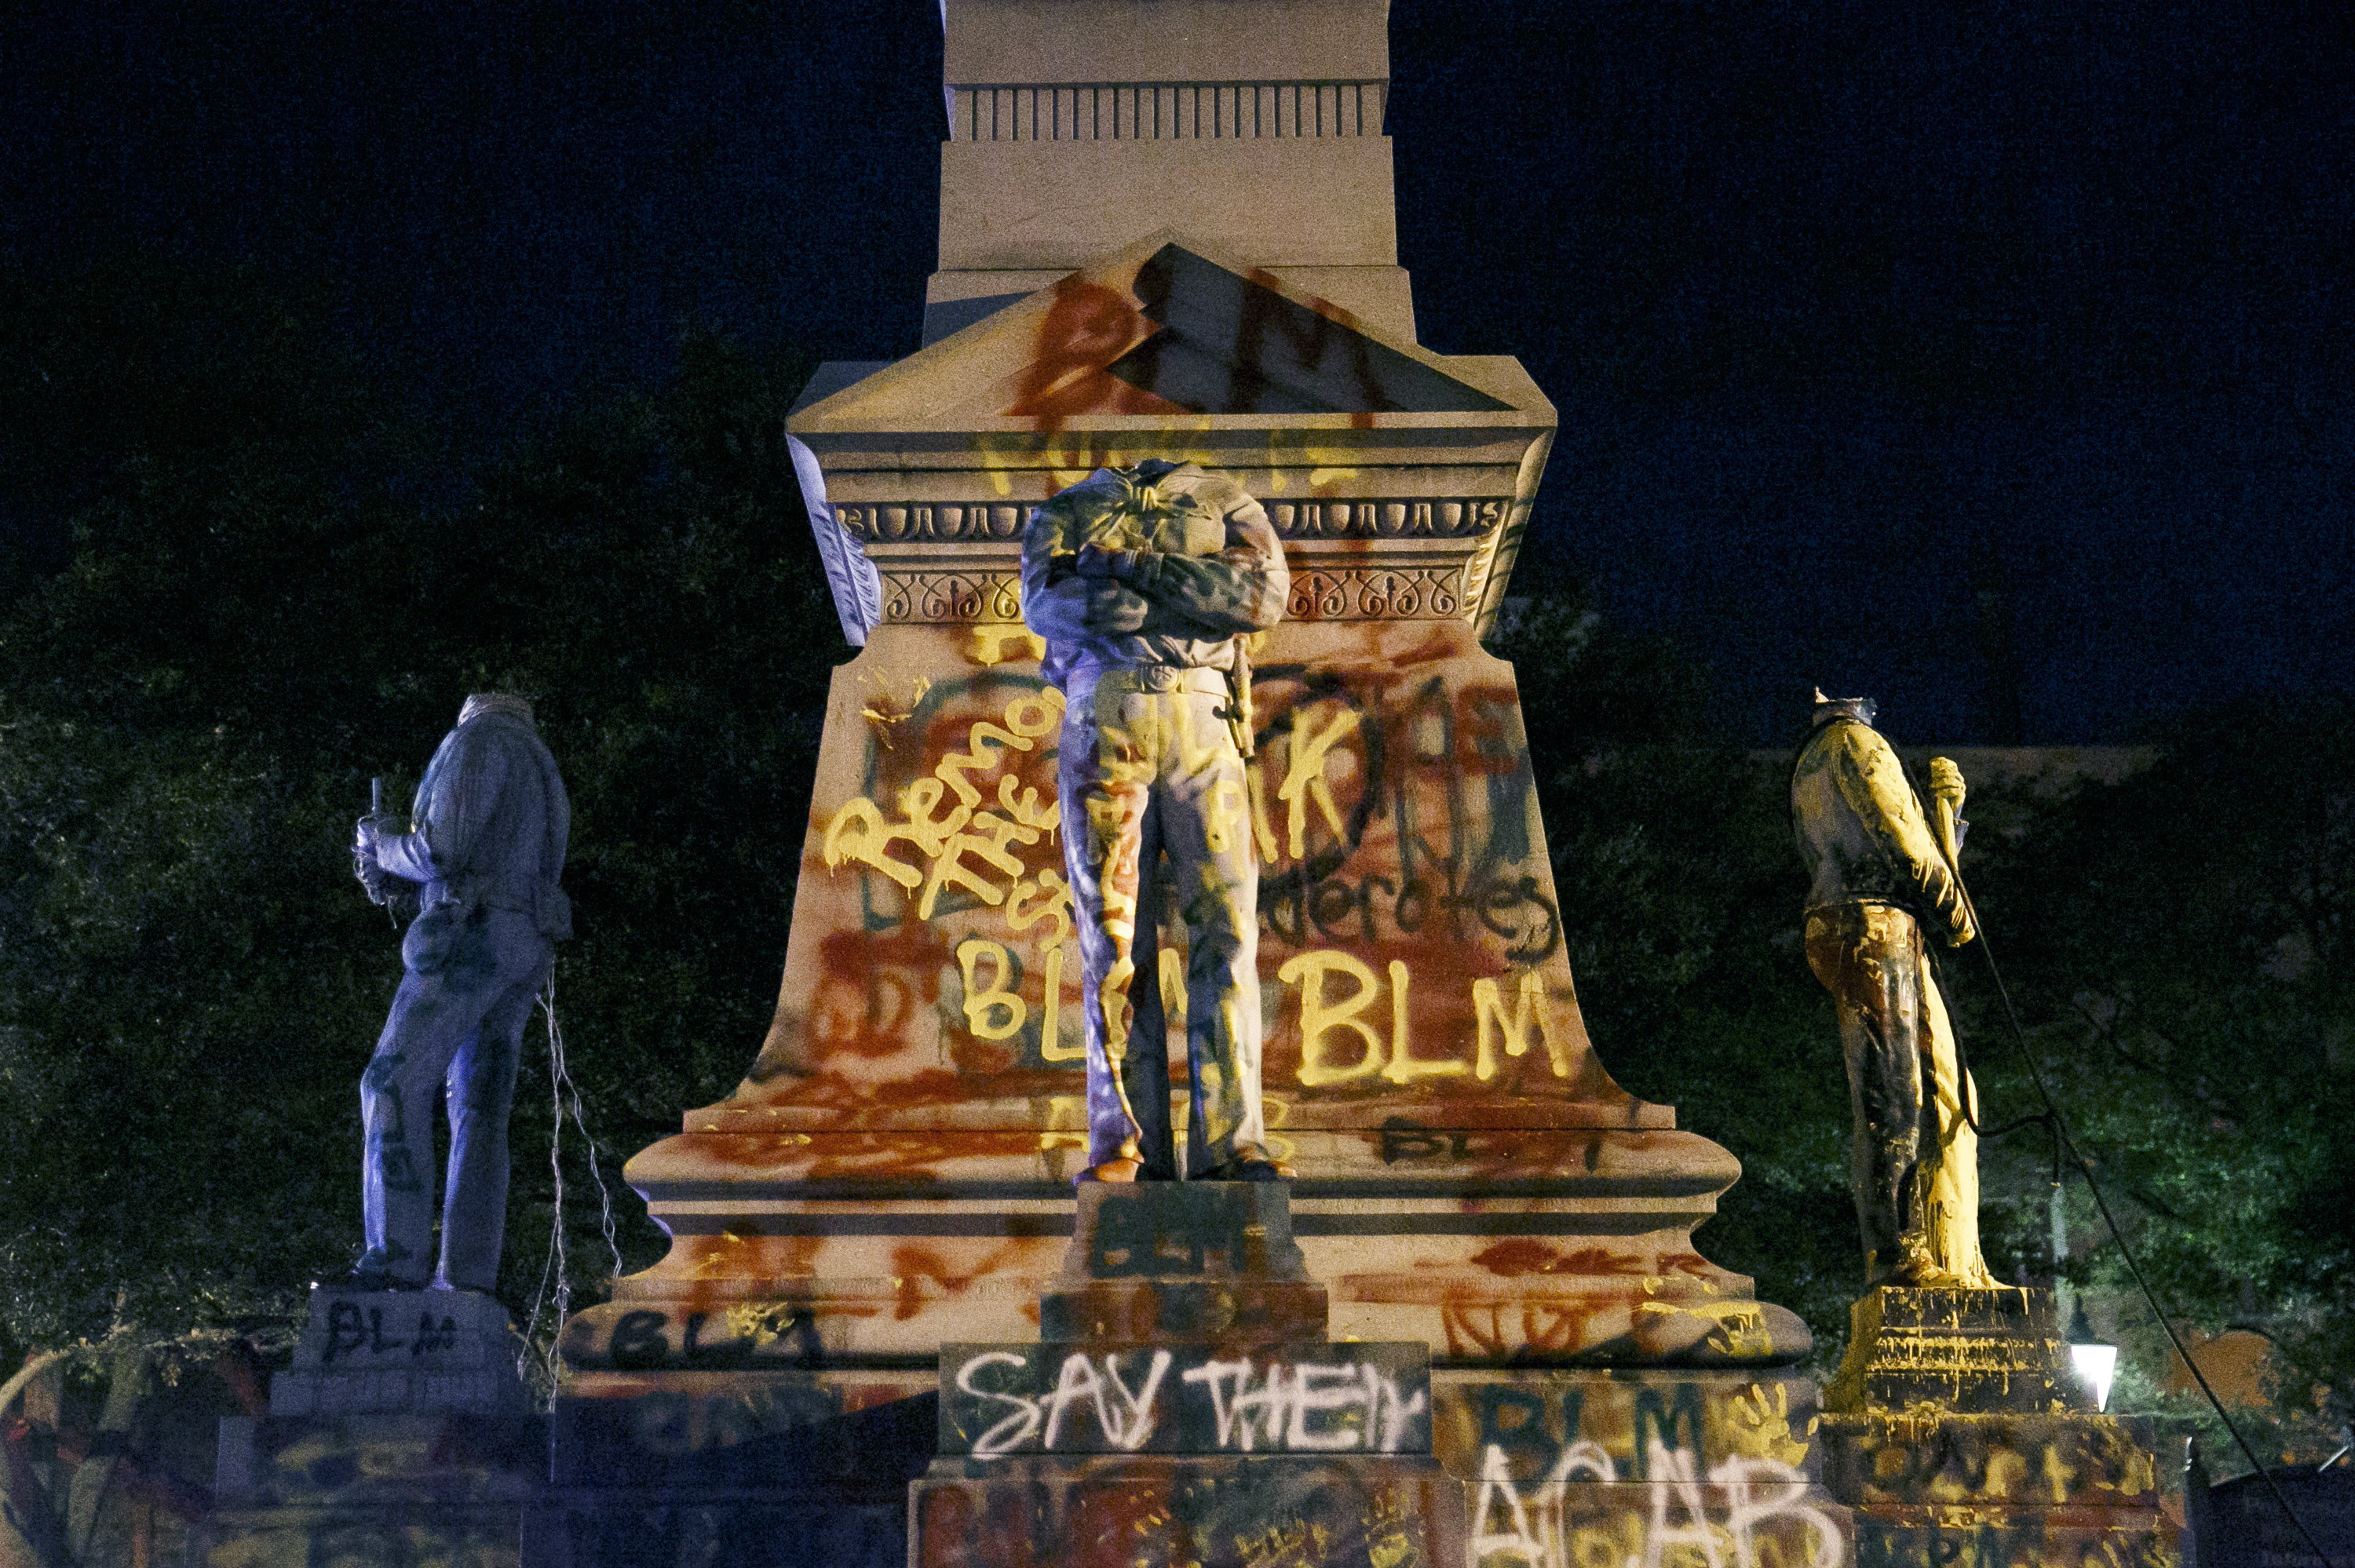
column 1168, row 329
column 1399, row 480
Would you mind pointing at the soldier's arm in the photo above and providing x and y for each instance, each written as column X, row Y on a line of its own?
column 1241, row 589
column 462, row 787
column 404, row 854
column 1873, row 782
column 1058, row 603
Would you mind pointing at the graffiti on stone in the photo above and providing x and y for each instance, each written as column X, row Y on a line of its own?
column 1001, row 1400
column 1741, row 1511
column 1406, row 919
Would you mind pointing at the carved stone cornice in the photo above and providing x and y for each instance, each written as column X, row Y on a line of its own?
column 946, row 563
column 1376, row 593
column 981, row 522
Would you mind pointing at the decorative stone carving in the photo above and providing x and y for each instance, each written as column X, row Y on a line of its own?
column 1351, row 519
column 932, row 598
column 1375, row 595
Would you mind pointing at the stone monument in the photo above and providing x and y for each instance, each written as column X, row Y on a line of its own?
column 1166, row 235
column 1958, row 1434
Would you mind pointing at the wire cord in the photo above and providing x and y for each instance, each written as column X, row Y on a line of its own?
column 565, row 1096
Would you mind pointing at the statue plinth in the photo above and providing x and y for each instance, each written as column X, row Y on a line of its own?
column 1975, row 1350
column 1206, row 1262
column 403, row 1429
column 1956, row 1425
column 1183, row 1405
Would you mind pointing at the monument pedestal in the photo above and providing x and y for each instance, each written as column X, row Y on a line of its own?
column 1183, row 1405
column 402, row 1433
column 1959, row 1434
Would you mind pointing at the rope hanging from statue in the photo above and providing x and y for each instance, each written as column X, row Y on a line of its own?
column 2063, row 1140
column 565, row 1096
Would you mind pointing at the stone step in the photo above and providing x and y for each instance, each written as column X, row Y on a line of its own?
column 1673, row 1172
column 1945, row 1536
column 290, row 1461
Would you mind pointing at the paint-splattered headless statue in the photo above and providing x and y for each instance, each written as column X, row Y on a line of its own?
column 1144, row 581
column 1879, row 876
column 487, row 843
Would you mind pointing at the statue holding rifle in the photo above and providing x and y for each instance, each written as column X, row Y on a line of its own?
column 486, row 847
column 1880, row 877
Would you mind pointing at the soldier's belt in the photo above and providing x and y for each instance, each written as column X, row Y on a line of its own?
column 1122, row 678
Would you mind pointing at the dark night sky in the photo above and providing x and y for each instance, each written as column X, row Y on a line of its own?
column 1993, row 358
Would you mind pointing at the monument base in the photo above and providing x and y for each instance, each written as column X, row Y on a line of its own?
column 402, row 1433
column 766, row 1469
column 1959, row 1434
column 1967, row 1350
column 1183, row 1405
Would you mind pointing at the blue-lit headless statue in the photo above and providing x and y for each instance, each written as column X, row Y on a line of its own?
column 486, row 842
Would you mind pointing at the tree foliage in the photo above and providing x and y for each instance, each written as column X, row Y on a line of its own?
column 272, row 591
column 2182, row 949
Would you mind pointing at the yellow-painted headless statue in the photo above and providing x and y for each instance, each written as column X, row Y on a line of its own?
column 1879, row 877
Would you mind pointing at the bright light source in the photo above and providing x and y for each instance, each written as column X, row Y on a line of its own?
column 2097, row 1364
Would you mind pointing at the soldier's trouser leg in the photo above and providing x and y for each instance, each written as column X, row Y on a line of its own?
column 1949, row 1178
column 1203, row 811
column 1105, row 778
column 480, row 1086
column 1862, row 954
column 1148, row 774
column 441, row 1006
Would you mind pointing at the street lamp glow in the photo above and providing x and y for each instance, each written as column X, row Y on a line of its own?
column 2097, row 1364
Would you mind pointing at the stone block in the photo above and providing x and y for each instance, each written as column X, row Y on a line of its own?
column 1934, row 1489
column 1189, row 1398
column 1157, row 1262
column 1149, row 1311
column 752, row 1527
column 416, row 1533
column 1228, row 1512
column 1536, row 1424
column 750, row 1469
column 343, row 1461
column 1184, row 1230
column 1974, row 1537
column 402, row 1350
column 440, row 1491
column 2071, row 1459
column 719, row 1431
column 1971, row 1350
